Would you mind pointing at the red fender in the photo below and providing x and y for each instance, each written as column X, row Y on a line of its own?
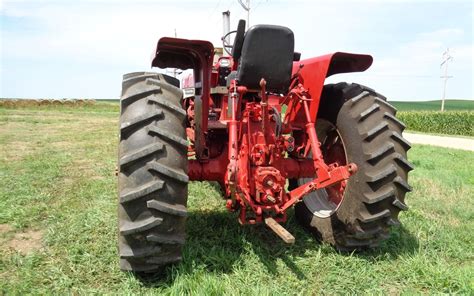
column 315, row 70
column 181, row 53
column 196, row 55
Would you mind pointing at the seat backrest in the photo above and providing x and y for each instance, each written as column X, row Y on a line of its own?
column 267, row 52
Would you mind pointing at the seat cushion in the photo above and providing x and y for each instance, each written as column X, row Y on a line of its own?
column 267, row 52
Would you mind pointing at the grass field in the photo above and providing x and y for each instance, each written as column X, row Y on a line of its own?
column 435, row 105
column 58, row 225
column 449, row 105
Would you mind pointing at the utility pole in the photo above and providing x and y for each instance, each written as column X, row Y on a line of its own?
column 446, row 59
column 247, row 8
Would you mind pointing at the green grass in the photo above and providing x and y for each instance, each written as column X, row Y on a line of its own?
column 57, row 175
column 450, row 105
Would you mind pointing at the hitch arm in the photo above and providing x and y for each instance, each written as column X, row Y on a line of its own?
column 336, row 175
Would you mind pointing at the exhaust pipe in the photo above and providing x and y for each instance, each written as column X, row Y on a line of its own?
column 226, row 27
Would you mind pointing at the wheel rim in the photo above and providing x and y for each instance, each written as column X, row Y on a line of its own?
column 325, row 202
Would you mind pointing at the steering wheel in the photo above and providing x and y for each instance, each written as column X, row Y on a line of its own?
column 236, row 49
column 227, row 47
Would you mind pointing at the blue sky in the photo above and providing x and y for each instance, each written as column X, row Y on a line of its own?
column 80, row 49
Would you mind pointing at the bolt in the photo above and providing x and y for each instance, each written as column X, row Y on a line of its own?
column 271, row 199
column 270, row 183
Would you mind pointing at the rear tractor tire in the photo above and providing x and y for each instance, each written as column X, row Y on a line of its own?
column 152, row 178
column 356, row 125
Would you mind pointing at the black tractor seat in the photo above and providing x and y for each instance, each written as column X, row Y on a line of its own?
column 267, row 52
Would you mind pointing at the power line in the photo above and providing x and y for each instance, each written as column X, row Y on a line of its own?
column 230, row 3
column 258, row 4
column 214, row 10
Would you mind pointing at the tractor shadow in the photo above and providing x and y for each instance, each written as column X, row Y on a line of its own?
column 217, row 243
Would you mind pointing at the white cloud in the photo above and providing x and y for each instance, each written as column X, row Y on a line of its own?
column 443, row 34
column 412, row 70
column 102, row 35
column 125, row 33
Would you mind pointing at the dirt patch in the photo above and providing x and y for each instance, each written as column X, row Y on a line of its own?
column 4, row 228
column 27, row 242
column 17, row 150
column 63, row 144
column 84, row 168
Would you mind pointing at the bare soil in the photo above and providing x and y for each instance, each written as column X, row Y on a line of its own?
column 5, row 228
column 24, row 243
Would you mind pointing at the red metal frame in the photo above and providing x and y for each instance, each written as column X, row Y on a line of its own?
column 313, row 72
column 240, row 139
column 196, row 55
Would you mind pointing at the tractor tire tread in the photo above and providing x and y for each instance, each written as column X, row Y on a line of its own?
column 167, row 171
column 141, row 191
column 367, row 218
column 164, row 260
column 380, row 184
column 396, row 121
column 367, row 112
column 403, row 162
column 139, row 253
column 385, row 193
column 159, row 101
column 178, row 210
column 402, row 184
column 166, row 239
column 140, row 153
column 380, row 153
column 402, row 141
column 140, row 226
column 375, row 131
column 381, row 174
column 153, row 178
column 139, row 94
column 144, row 118
column 168, row 135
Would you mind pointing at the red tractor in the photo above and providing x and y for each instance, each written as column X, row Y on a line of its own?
column 263, row 124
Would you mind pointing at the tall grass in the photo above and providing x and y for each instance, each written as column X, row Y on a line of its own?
column 449, row 122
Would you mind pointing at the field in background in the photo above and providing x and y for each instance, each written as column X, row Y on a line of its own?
column 449, row 105
column 458, row 119
column 464, row 105
column 449, row 122
column 58, row 224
